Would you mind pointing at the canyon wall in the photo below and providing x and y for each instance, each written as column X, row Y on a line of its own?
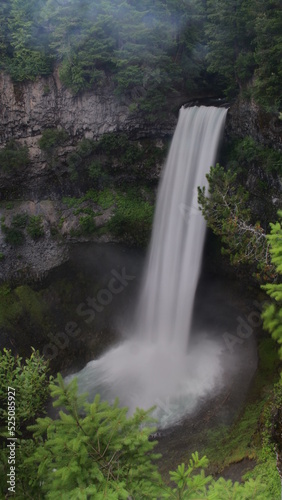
column 29, row 108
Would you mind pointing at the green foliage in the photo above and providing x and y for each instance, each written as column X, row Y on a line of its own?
column 272, row 315
column 147, row 48
column 132, row 219
column 35, row 227
column 13, row 156
column 223, row 490
column 228, row 215
column 103, row 453
column 113, row 160
column 9, row 205
column 268, row 28
column 132, row 215
column 31, row 303
column 245, row 153
column 20, row 220
column 251, row 434
column 27, row 64
column 267, row 473
column 97, row 174
column 28, row 379
column 244, row 40
column 71, row 202
column 118, row 146
column 93, row 450
column 82, row 160
column 231, row 444
column 230, row 31
column 266, row 468
column 74, row 161
column 23, row 309
column 105, row 199
column 52, row 138
column 9, row 309
column 187, row 482
column 13, row 235
column 144, row 46
column 150, row 49
column 23, row 40
column 87, row 224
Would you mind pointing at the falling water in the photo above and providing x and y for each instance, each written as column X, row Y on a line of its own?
column 154, row 367
column 167, row 297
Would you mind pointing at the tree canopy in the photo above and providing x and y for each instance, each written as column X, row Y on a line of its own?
column 148, row 49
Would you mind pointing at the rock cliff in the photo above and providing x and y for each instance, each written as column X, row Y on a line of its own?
column 245, row 118
column 29, row 108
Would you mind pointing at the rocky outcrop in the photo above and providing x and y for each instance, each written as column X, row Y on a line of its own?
column 32, row 259
column 263, row 182
column 28, row 108
column 246, row 118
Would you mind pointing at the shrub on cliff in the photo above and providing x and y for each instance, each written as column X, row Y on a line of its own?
column 87, row 224
column 13, row 156
column 132, row 219
column 13, row 235
column 35, row 227
column 52, row 138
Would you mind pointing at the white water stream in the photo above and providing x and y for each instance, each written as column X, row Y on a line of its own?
column 155, row 366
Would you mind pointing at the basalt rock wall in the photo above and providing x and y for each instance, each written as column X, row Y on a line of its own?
column 27, row 109
column 246, row 118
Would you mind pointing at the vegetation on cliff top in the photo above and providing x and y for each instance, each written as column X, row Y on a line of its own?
column 149, row 49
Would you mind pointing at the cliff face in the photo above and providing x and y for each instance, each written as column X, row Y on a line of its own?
column 27, row 109
column 247, row 119
column 263, row 181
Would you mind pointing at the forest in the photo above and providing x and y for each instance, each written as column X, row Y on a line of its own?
column 149, row 53
column 147, row 49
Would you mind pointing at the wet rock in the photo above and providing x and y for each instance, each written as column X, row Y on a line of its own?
column 246, row 118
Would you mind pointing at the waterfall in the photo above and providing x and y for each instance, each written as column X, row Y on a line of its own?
column 153, row 367
column 167, row 297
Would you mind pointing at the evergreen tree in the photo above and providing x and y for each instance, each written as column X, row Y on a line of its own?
column 272, row 315
column 268, row 50
column 226, row 211
column 26, row 51
column 230, row 31
column 4, row 35
column 93, row 450
column 102, row 454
